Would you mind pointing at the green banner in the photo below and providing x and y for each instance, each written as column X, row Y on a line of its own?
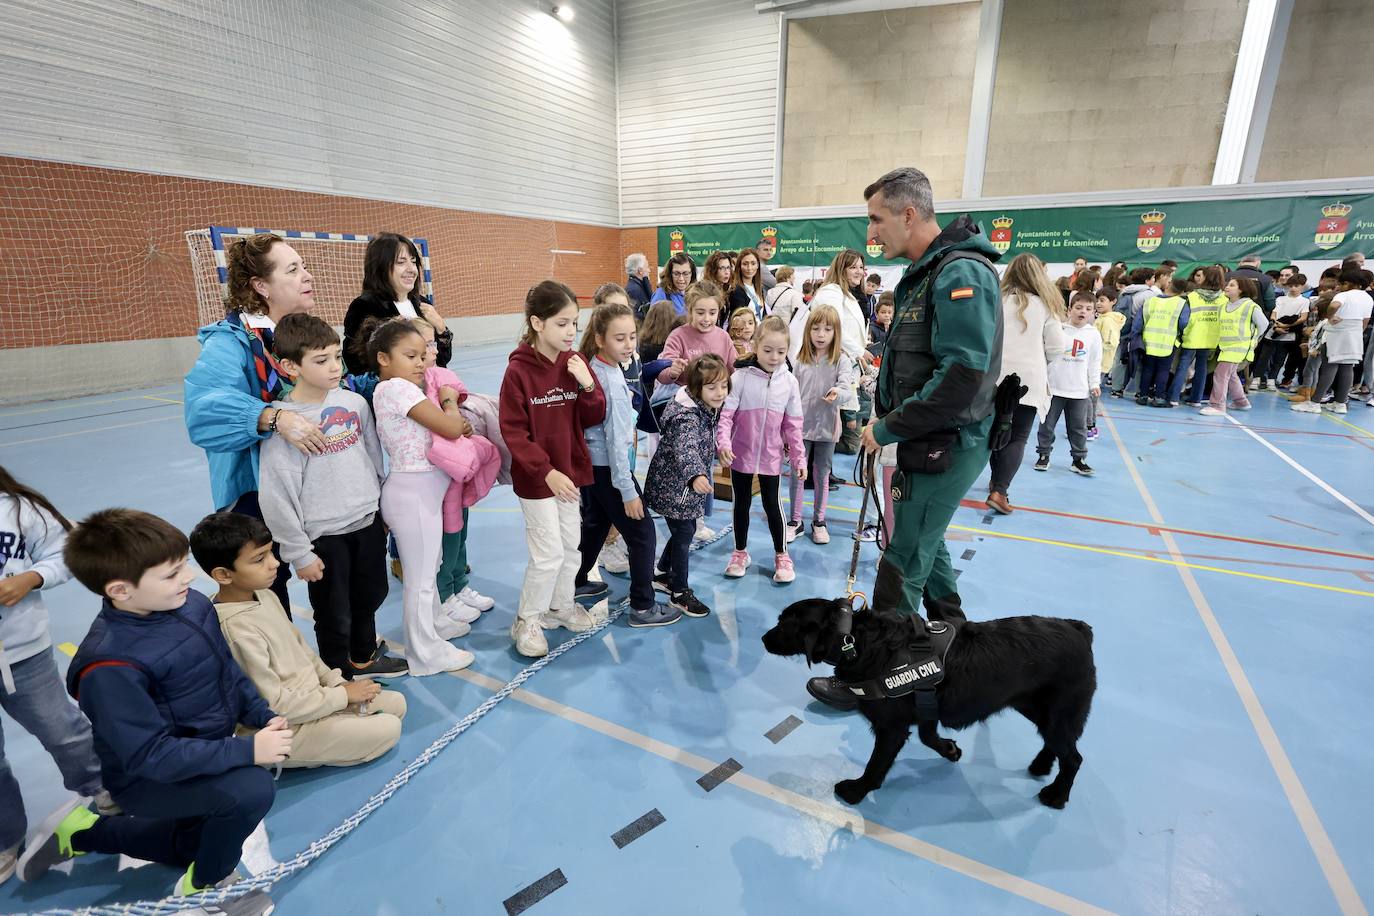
column 1279, row 229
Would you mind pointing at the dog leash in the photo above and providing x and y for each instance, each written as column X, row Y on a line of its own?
column 845, row 623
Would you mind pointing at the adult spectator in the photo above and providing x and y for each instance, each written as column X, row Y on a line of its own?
column 784, row 298
column 392, row 280
column 1079, row 265
column 679, row 273
column 1032, row 338
column 637, row 284
column 746, row 285
column 935, row 393
column 229, row 392
column 1250, row 267
column 1344, row 347
column 766, row 248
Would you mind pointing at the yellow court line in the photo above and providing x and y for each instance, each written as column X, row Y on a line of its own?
column 1183, row 563
column 1359, row 429
column 843, row 818
column 165, row 400
column 87, row 432
column 67, row 648
column 70, row 404
column 1314, row 831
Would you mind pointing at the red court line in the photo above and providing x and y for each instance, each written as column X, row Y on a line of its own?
column 1156, row 529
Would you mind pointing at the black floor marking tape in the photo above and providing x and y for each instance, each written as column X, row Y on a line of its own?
column 987, row 519
column 536, row 892
column 968, row 554
column 720, row 774
column 640, row 826
column 782, row 729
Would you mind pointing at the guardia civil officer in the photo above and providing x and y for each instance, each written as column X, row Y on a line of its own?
column 935, row 393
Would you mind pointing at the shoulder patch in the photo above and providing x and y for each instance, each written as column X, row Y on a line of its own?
column 962, row 292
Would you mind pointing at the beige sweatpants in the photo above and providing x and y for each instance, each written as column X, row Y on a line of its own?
column 346, row 738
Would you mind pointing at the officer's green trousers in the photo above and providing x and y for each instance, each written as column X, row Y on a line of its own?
column 916, row 560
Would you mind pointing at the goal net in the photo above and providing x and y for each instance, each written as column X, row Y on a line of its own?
column 335, row 259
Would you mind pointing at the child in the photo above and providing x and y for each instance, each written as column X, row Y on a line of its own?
column 1163, row 320
column 700, row 335
column 1073, row 378
column 32, row 534
column 548, row 397
column 1108, row 325
column 741, row 327
column 882, row 322
column 823, row 371
column 761, row 416
column 1290, row 313
column 1320, row 308
column 322, row 509
column 613, row 497
column 414, row 489
column 458, row 599
column 653, row 334
column 1342, row 339
column 337, row 722
column 164, row 698
column 1239, row 324
column 679, row 478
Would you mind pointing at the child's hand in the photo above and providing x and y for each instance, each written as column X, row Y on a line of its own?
column 578, row 367
column 727, row 457
column 312, row 573
column 634, row 508
column 562, row 486
column 431, row 314
column 361, row 691
column 12, row 588
column 800, row 471
column 679, row 364
column 673, row 371
column 1097, row 392
column 701, row 485
column 273, row 743
column 831, row 395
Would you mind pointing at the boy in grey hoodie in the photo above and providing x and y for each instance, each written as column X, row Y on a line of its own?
column 323, row 509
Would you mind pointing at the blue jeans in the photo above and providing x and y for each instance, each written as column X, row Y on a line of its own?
column 41, row 705
column 1198, row 360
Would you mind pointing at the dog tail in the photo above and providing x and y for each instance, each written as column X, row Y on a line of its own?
column 1085, row 629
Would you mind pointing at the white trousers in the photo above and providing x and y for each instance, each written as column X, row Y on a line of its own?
column 553, row 532
column 412, row 506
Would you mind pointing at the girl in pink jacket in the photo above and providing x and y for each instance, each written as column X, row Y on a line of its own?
column 761, row 416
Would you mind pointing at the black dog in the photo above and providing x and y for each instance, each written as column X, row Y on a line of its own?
column 1040, row 666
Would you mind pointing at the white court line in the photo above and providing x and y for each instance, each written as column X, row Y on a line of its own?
column 1303, row 471
column 844, row 818
column 83, row 432
column 1327, row 857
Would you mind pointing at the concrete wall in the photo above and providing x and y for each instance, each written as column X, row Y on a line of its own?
column 1111, row 94
column 862, row 96
column 1321, row 124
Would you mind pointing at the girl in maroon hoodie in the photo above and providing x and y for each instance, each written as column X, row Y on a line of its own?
column 548, row 397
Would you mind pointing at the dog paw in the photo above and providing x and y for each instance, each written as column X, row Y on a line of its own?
column 951, row 752
column 851, row 791
column 1040, row 767
column 1051, row 797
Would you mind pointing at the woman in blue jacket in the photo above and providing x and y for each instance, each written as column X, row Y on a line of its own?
column 230, row 390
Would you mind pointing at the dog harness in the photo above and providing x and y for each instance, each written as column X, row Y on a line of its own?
column 916, row 669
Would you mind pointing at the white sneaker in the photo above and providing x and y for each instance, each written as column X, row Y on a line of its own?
column 1334, row 407
column 703, row 533
column 472, row 598
column 1252, row 385
column 594, row 574
column 1305, row 407
column 447, row 628
column 1212, row 412
column 614, row 557
column 457, row 610
column 600, row 611
column 573, row 619
column 9, row 858
column 529, row 638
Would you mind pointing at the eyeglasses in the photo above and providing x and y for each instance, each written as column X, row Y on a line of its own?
column 432, row 345
column 682, row 273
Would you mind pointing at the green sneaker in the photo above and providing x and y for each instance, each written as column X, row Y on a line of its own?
column 52, row 842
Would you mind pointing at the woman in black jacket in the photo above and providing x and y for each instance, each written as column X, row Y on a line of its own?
column 392, row 279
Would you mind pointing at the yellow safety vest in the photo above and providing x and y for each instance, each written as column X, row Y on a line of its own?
column 1237, row 341
column 1161, row 325
column 1202, row 331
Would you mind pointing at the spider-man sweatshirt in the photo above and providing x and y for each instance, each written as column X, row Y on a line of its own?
column 543, row 414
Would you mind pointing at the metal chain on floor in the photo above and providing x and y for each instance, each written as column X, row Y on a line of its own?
column 267, row 879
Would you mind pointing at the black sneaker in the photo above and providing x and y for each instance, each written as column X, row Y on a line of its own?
column 1142, row 400
column 661, row 583
column 379, row 668
column 1080, row 466
column 688, row 603
column 834, row 485
column 1118, row 394
column 1042, row 463
column 832, row 692
column 592, row 591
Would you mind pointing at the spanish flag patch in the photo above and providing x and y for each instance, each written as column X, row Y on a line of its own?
column 963, row 292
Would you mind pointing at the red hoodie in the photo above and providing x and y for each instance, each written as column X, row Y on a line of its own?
column 543, row 413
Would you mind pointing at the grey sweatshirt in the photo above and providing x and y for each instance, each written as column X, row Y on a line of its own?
column 821, row 421
column 308, row 497
column 31, row 540
column 609, row 442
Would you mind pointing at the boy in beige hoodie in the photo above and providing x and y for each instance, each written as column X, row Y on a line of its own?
column 336, row 722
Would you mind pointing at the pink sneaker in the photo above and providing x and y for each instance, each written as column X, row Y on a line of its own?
column 784, row 571
column 739, row 562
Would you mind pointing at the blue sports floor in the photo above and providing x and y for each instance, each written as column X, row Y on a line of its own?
column 1226, row 565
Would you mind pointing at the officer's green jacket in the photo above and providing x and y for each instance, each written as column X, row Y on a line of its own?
column 941, row 373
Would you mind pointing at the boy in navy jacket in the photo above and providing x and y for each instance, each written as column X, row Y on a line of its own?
column 164, row 696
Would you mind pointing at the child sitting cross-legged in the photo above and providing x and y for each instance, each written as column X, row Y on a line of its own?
column 336, row 722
